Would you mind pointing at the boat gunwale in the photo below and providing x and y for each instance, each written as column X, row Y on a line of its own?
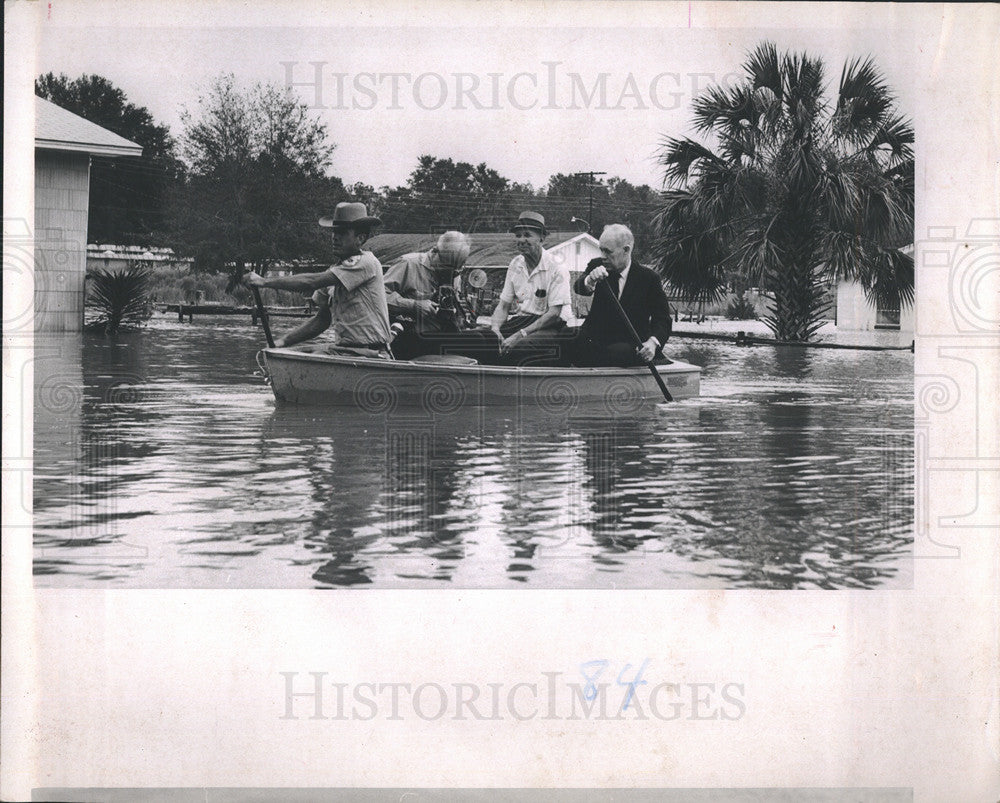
column 498, row 370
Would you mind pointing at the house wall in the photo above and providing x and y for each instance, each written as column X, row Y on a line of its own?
column 118, row 264
column 62, row 194
column 575, row 255
column 112, row 264
column 907, row 318
column 855, row 314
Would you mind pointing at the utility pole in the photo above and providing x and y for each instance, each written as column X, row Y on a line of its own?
column 591, row 185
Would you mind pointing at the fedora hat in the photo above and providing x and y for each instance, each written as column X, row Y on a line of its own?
column 349, row 214
column 530, row 220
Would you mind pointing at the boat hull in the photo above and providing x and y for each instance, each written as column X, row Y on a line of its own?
column 376, row 385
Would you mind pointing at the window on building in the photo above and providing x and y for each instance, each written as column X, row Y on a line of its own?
column 886, row 317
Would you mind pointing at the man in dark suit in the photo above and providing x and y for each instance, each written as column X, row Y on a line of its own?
column 604, row 339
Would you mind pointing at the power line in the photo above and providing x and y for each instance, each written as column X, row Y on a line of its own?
column 590, row 185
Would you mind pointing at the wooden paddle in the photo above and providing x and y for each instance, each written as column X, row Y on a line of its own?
column 263, row 316
column 637, row 340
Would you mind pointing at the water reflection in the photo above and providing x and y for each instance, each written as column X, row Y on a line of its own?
column 161, row 461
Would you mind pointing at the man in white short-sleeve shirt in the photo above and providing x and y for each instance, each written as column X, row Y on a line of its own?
column 540, row 289
column 350, row 294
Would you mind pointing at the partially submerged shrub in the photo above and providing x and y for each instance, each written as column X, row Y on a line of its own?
column 741, row 308
column 119, row 300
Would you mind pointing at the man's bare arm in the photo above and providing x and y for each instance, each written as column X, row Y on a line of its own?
column 548, row 317
column 499, row 316
column 297, row 283
column 316, row 325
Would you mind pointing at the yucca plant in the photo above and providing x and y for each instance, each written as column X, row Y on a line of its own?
column 798, row 192
column 118, row 299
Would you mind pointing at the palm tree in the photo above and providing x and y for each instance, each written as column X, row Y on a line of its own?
column 797, row 194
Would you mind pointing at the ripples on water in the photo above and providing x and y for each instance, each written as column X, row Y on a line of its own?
column 162, row 461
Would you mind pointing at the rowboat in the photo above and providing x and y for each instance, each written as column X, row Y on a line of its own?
column 321, row 375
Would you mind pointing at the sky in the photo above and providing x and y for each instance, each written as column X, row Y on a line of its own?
column 529, row 95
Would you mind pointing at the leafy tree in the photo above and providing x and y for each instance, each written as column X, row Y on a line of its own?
column 615, row 200
column 442, row 194
column 624, row 194
column 573, row 185
column 128, row 197
column 256, row 182
column 634, row 205
column 569, row 195
column 797, row 193
column 368, row 195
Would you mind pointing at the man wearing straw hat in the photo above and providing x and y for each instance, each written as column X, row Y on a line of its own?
column 540, row 288
column 350, row 294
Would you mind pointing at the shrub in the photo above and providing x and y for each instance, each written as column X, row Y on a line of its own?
column 119, row 299
column 741, row 308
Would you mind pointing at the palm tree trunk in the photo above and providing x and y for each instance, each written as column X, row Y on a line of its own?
column 798, row 301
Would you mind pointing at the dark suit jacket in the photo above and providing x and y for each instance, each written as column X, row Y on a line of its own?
column 643, row 300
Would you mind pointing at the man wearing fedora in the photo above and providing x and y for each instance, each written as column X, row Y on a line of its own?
column 540, row 289
column 350, row 294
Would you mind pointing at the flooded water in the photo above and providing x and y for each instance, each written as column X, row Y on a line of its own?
column 162, row 461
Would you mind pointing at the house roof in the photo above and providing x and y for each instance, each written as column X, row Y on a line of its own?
column 487, row 250
column 135, row 252
column 60, row 130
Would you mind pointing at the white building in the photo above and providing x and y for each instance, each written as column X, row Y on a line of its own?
column 574, row 252
column 855, row 313
column 64, row 143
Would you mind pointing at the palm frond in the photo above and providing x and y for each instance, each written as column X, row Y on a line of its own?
column 838, row 195
column 888, row 215
column 902, row 178
column 846, row 253
column 734, row 149
column 863, row 101
column 886, row 274
column 725, row 191
column 679, row 155
column 804, row 167
column 803, row 77
column 729, row 111
column 769, row 106
column 758, row 254
column 896, row 135
column 763, row 68
column 888, row 278
column 689, row 251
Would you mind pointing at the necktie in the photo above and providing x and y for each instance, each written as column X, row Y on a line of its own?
column 614, row 282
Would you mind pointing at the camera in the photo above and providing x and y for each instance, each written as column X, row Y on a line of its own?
column 451, row 310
